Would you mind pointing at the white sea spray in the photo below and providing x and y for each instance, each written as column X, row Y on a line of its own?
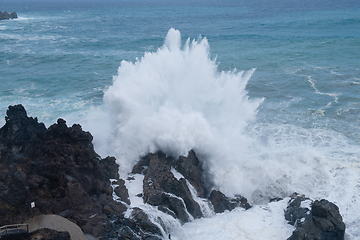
column 305, row 137
column 176, row 100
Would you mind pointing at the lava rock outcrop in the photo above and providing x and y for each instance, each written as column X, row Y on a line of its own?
column 322, row 222
column 5, row 15
column 55, row 169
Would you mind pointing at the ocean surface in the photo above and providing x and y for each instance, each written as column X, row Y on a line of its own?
column 266, row 92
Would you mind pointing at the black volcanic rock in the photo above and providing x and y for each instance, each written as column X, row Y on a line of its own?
column 13, row 15
column 144, row 223
column 137, row 226
column 173, row 196
column 20, row 129
column 161, row 188
column 6, row 15
column 294, row 212
column 111, row 167
column 57, row 169
column 322, row 222
column 122, row 192
column 221, row 203
column 189, row 167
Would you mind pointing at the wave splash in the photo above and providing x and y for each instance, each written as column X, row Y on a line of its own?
column 175, row 100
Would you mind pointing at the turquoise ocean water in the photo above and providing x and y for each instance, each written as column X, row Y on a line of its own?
column 59, row 59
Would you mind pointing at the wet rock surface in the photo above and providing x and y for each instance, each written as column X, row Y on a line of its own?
column 136, row 226
column 121, row 191
column 55, row 170
column 296, row 212
column 190, row 168
column 322, row 222
column 161, row 188
column 172, row 195
column 222, row 203
column 5, row 15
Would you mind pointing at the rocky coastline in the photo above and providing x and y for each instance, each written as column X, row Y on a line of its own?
column 5, row 15
column 56, row 170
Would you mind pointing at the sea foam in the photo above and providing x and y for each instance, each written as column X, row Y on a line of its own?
column 175, row 100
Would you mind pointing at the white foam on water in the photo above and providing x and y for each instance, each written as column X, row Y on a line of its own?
column 313, row 85
column 175, row 99
column 258, row 222
column 206, row 207
column 165, row 222
column 22, row 18
column 318, row 163
column 134, row 185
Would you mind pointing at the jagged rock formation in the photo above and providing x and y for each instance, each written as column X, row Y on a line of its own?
column 137, row 226
column 295, row 212
column 322, row 222
column 161, row 188
column 190, row 168
column 174, row 196
column 6, row 15
column 221, row 203
column 58, row 170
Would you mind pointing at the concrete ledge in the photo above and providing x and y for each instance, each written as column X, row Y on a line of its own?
column 57, row 223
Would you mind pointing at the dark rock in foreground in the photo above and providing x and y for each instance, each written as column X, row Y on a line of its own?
column 5, row 15
column 56, row 169
column 322, row 222
column 176, row 196
column 40, row 234
column 137, row 226
column 46, row 233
